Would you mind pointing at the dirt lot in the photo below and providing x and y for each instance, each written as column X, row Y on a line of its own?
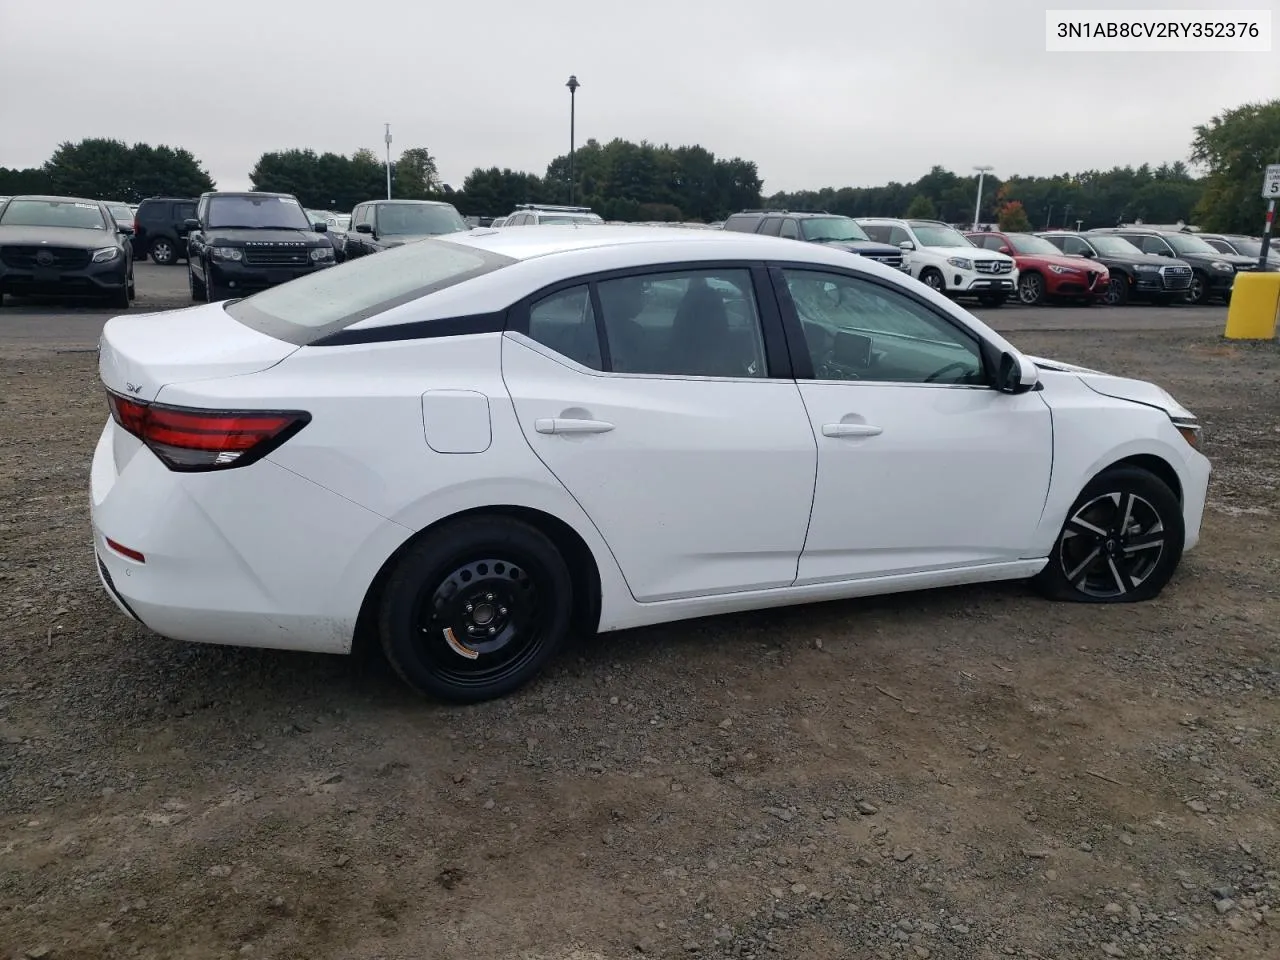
column 962, row 774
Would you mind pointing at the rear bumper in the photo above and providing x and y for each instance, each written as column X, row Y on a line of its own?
column 255, row 556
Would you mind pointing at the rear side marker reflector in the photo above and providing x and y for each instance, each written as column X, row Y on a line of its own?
column 189, row 440
column 125, row 551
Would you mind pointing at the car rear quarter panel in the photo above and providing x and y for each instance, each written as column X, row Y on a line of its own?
column 1090, row 433
column 367, row 439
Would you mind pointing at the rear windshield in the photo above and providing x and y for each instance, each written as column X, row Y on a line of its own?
column 309, row 308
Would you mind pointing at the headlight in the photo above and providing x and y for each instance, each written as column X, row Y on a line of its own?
column 1219, row 265
column 960, row 263
column 321, row 253
column 1189, row 427
column 106, row 254
column 1057, row 269
column 228, row 253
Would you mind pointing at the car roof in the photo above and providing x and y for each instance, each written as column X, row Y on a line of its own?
column 551, row 254
column 55, row 199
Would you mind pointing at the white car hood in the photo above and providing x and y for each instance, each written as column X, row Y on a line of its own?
column 1121, row 388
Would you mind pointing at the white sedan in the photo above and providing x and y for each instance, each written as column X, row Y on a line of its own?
column 477, row 446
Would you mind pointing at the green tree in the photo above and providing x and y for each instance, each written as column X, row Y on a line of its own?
column 1236, row 147
column 113, row 170
column 1013, row 218
column 29, row 180
column 496, row 192
column 921, row 208
column 321, row 181
column 415, row 176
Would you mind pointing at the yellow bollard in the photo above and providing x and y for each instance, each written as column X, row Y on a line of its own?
column 1255, row 307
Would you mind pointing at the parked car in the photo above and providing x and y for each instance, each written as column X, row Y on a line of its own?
column 839, row 232
column 249, row 241
column 338, row 225
column 1243, row 246
column 1213, row 273
column 498, row 222
column 940, row 257
column 1044, row 271
column 63, row 246
column 159, row 228
column 548, row 214
column 379, row 225
column 480, row 444
column 1134, row 275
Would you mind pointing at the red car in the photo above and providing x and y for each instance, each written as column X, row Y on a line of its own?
column 1045, row 272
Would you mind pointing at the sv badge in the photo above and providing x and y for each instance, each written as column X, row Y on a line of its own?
column 133, row 387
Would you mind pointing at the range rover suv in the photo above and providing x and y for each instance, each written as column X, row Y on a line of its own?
column 831, row 230
column 240, row 242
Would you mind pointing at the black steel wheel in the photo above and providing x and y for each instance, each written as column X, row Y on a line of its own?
column 1121, row 542
column 476, row 609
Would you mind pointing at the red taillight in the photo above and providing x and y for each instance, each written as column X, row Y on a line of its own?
column 188, row 439
column 136, row 228
column 125, row 551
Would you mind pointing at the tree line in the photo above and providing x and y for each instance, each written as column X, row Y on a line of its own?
column 622, row 180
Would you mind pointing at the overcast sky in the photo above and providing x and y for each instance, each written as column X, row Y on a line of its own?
column 816, row 92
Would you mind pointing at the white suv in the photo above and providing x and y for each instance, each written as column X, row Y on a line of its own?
column 942, row 257
column 541, row 214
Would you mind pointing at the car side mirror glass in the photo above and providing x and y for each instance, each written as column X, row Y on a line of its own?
column 906, row 245
column 191, row 223
column 364, row 228
column 1085, row 253
column 320, row 226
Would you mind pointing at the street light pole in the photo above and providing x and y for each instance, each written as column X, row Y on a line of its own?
column 573, row 86
column 388, row 140
column 977, row 207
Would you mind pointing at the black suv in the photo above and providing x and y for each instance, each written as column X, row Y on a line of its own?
column 241, row 242
column 159, row 228
column 1134, row 275
column 378, row 225
column 1213, row 272
column 829, row 229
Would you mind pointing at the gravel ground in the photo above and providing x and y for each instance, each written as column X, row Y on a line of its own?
column 966, row 773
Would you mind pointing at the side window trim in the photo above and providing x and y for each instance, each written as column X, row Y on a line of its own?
column 781, row 357
column 804, row 370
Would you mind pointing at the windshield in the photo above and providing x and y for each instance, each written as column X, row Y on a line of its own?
column 302, row 311
column 53, row 213
column 281, row 213
column 120, row 211
column 1029, row 246
column 939, row 235
column 824, row 229
column 341, row 222
column 413, row 219
column 1113, row 246
column 1186, row 243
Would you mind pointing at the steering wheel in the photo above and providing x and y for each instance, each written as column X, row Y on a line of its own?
column 958, row 365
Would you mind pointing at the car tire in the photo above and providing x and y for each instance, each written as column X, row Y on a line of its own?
column 197, row 286
column 1199, row 291
column 474, row 610
column 132, row 287
column 164, row 252
column 1117, row 294
column 932, row 278
column 119, row 299
column 213, row 291
column 1031, row 289
column 1096, row 560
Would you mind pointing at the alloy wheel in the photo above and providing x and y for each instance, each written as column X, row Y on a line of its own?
column 482, row 622
column 1030, row 288
column 933, row 280
column 1115, row 292
column 1196, row 293
column 1111, row 545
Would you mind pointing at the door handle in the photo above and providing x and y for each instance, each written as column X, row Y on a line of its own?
column 562, row 425
column 851, row 430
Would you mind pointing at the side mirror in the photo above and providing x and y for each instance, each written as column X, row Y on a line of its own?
column 1086, row 253
column 1005, row 248
column 364, row 228
column 906, row 245
column 320, row 226
column 1014, row 375
column 191, row 223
